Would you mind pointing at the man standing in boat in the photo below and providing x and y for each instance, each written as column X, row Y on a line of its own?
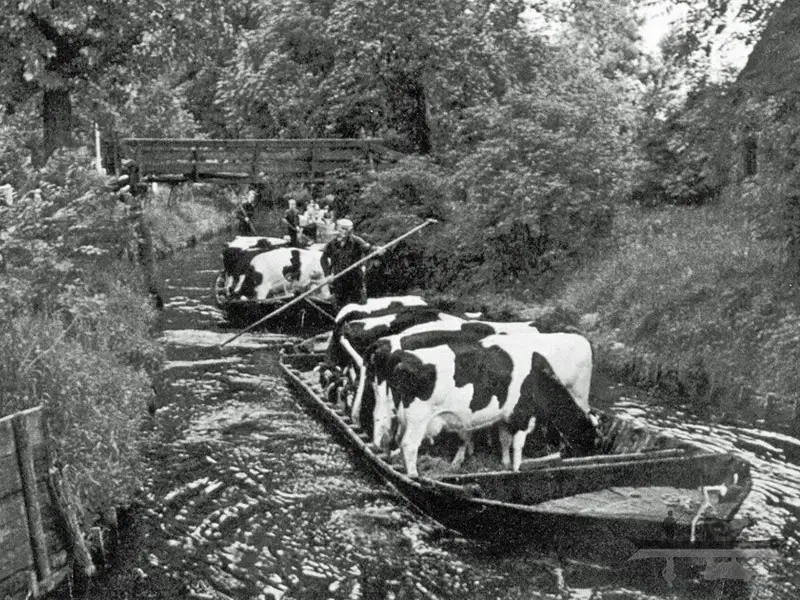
column 291, row 218
column 341, row 252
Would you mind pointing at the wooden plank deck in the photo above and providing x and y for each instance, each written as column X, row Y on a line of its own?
column 639, row 502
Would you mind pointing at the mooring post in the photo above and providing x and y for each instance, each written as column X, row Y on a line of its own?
column 63, row 502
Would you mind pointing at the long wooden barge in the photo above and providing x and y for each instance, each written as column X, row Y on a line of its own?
column 646, row 489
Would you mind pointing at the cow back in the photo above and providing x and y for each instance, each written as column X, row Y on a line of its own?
column 373, row 309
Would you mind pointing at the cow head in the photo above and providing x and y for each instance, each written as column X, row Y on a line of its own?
column 327, row 373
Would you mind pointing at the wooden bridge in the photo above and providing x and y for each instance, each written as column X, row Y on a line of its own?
column 250, row 161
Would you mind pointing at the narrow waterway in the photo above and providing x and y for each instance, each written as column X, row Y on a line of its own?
column 247, row 496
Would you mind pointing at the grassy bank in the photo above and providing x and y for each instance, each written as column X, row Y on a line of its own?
column 689, row 302
column 77, row 330
column 692, row 301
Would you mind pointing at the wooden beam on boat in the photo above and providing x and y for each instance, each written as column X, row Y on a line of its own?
column 684, row 470
column 550, row 460
column 541, row 461
column 627, row 457
column 465, row 491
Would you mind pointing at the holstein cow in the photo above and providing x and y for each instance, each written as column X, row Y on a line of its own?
column 382, row 355
column 337, row 355
column 282, row 271
column 357, row 336
column 506, row 379
column 374, row 306
column 238, row 253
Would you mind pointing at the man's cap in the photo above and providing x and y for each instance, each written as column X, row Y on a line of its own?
column 344, row 224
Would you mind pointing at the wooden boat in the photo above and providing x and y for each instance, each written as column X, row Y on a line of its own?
column 307, row 315
column 645, row 489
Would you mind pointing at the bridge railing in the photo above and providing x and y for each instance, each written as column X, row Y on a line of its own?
column 256, row 160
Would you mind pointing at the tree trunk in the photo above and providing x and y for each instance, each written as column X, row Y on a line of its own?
column 57, row 120
column 792, row 224
column 421, row 130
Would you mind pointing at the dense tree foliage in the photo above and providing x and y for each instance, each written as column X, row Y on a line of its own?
column 97, row 60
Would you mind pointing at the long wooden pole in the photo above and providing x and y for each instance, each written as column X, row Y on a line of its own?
column 328, row 281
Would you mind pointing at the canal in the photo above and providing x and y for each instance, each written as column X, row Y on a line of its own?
column 247, row 496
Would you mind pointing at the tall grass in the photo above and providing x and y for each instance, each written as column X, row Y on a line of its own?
column 698, row 288
column 87, row 365
column 76, row 326
column 184, row 215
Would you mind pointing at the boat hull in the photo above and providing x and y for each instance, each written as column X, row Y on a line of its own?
column 301, row 316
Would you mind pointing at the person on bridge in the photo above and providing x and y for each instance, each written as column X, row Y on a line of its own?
column 341, row 252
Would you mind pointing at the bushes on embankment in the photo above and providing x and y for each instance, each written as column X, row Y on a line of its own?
column 76, row 325
column 183, row 215
column 695, row 301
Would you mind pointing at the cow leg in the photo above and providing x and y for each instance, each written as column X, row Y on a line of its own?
column 238, row 287
column 342, row 394
column 359, row 394
column 412, row 438
column 331, row 392
column 465, row 450
column 506, row 440
column 518, row 443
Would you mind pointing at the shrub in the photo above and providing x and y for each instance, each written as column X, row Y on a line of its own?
column 93, row 400
column 394, row 202
column 699, row 289
column 687, row 157
column 187, row 215
column 76, row 330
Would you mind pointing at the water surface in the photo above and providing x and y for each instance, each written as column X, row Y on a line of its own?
column 247, row 496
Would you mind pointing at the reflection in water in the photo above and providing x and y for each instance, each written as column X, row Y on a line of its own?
column 247, row 496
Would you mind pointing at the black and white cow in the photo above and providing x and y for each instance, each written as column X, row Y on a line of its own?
column 374, row 307
column 359, row 335
column 506, row 379
column 281, row 271
column 237, row 255
column 382, row 355
column 337, row 355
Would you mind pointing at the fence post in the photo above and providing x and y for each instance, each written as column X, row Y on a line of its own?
column 22, row 437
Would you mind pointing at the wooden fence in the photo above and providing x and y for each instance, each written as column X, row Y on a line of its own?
column 33, row 555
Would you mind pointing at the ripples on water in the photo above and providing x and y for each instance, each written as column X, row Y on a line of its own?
column 247, row 496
